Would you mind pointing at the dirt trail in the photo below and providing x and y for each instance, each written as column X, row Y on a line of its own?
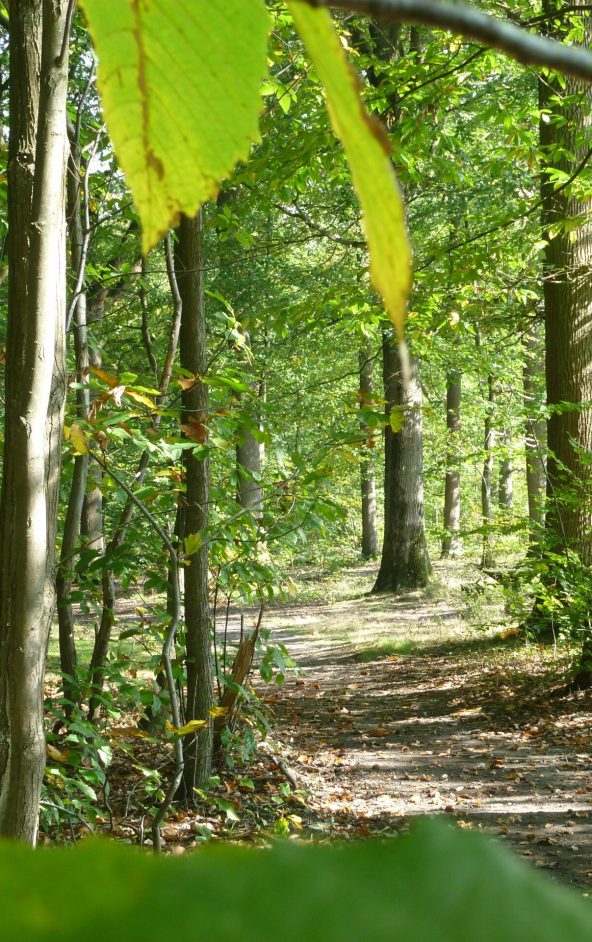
column 469, row 726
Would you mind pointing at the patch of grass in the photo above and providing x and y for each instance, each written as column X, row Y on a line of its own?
column 388, row 648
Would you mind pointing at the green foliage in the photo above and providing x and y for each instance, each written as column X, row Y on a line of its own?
column 437, row 883
column 368, row 151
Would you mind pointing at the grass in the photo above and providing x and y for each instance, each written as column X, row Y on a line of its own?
column 387, row 648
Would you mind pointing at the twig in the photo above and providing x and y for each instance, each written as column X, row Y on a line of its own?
column 525, row 47
column 67, row 28
column 167, row 650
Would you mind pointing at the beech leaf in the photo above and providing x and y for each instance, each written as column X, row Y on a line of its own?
column 368, row 153
column 180, row 84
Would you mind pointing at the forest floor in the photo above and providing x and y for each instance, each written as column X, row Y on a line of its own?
column 407, row 706
column 421, row 704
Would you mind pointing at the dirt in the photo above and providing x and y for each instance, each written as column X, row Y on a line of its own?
column 474, row 725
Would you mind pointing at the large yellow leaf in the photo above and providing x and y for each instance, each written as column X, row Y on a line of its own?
column 367, row 149
column 180, row 84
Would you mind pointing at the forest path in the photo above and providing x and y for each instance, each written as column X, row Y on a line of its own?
column 449, row 722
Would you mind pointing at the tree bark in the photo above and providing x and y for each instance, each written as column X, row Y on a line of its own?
column 535, row 434
column 71, row 534
column 193, row 350
column 451, row 542
column 35, row 389
column 506, row 475
column 405, row 563
column 367, row 475
column 487, row 556
column 564, row 134
column 568, row 312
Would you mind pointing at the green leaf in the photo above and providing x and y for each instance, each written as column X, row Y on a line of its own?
column 193, row 543
column 397, row 418
column 368, row 152
column 180, row 86
column 437, row 884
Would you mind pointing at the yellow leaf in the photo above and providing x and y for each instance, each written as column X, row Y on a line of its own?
column 56, row 755
column 107, row 378
column 191, row 727
column 141, row 398
column 187, row 382
column 367, row 149
column 217, row 711
column 78, row 440
column 128, row 732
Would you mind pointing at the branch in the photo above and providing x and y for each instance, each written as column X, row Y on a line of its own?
column 527, row 48
column 297, row 213
column 167, row 648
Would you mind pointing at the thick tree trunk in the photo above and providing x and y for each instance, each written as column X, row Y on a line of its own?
column 367, row 475
column 405, row 562
column 487, row 556
column 35, row 389
column 451, row 542
column 193, row 349
column 565, row 131
column 535, row 434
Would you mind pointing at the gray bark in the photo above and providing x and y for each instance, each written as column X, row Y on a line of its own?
column 487, row 557
column 193, row 351
column 35, row 389
column 71, row 534
column 535, row 434
column 405, row 562
column 451, row 542
column 506, row 474
column 367, row 475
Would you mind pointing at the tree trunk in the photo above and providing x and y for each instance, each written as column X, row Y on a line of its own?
column 71, row 534
column 193, row 350
column 405, row 562
column 487, row 557
column 35, row 389
column 451, row 542
column 564, row 133
column 506, row 475
column 367, row 475
column 389, row 380
column 535, row 434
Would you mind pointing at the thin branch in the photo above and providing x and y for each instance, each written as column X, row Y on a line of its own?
column 167, row 648
column 298, row 213
column 67, row 28
column 527, row 48
column 506, row 223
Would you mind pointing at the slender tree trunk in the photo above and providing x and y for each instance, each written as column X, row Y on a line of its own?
column 405, row 562
column 71, row 534
column 535, row 434
column 248, row 456
column 506, row 477
column 108, row 587
column 35, row 389
column 193, row 350
column 451, row 542
column 390, row 384
column 367, row 475
column 487, row 557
